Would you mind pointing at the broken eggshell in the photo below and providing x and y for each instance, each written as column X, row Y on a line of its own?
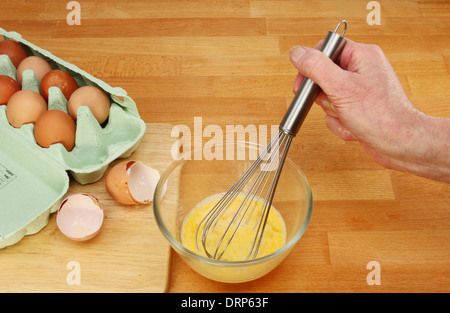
column 80, row 217
column 132, row 182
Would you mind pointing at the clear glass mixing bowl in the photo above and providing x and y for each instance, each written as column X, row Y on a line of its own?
column 191, row 181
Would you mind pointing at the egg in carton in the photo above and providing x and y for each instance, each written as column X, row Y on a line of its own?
column 33, row 179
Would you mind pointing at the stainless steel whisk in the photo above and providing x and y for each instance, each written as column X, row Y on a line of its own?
column 262, row 184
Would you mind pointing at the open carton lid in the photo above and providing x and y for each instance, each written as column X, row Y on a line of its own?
column 29, row 191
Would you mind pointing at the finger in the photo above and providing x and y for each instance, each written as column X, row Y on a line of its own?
column 326, row 105
column 336, row 127
column 347, row 54
column 319, row 44
column 300, row 77
column 297, row 82
column 354, row 56
column 318, row 67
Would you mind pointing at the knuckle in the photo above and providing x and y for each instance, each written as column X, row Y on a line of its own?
column 376, row 50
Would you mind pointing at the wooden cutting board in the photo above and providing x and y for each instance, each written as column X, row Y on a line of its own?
column 128, row 255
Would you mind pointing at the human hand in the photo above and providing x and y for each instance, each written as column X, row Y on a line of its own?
column 364, row 101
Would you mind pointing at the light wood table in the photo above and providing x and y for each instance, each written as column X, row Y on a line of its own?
column 227, row 62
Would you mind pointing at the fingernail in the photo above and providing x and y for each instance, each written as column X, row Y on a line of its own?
column 296, row 52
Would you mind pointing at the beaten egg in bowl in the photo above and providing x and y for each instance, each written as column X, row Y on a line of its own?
column 246, row 217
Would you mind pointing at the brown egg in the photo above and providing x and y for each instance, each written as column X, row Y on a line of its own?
column 92, row 97
column 14, row 50
column 25, row 106
column 39, row 66
column 58, row 78
column 8, row 87
column 55, row 126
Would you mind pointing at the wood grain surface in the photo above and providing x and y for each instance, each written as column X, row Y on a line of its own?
column 227, row 62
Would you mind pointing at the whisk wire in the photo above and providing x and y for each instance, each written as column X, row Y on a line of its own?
column 218, row 210
column 213, row 216
column 280, row 143
column 268, row 201
column 215, row 212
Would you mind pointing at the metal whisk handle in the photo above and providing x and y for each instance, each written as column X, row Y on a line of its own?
column 308, row 91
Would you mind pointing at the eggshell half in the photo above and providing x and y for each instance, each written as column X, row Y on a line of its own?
column 132, row 182
column 80, row 217
column 142, row 181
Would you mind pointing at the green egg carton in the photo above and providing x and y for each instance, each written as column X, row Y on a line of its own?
column 34, row 180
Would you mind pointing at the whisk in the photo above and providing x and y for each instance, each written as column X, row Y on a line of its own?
column 261, row 185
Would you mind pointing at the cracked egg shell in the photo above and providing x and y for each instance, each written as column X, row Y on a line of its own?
column 132, row 182
column 80, row 217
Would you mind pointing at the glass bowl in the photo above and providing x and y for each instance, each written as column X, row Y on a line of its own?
column 195, row 177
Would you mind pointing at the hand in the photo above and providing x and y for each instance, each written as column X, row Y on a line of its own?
column 364, row 101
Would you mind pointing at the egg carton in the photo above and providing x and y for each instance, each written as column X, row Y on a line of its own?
column 34, row 180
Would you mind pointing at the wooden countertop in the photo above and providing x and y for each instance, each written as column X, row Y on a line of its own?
column 226, row 62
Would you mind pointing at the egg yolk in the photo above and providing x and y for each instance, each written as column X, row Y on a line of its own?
column 239, row 248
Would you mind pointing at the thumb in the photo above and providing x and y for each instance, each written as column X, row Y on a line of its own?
column 318, row 67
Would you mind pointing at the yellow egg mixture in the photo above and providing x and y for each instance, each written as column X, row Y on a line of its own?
column 274, row 236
